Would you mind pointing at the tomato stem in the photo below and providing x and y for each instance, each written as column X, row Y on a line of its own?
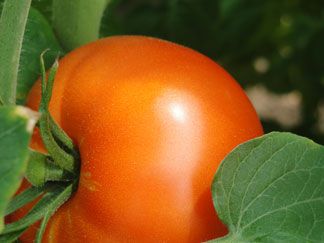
column 54, row 176
column 41, row 169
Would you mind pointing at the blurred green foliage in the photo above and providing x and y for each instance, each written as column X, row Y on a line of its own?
column 287, row 36
column 38, row 38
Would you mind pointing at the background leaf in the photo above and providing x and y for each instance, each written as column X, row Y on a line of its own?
column 38, row 37
column 77, row 22
column 12, row 27
column 271, row 189
column 16, row 126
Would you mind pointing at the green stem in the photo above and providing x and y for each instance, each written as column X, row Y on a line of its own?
column 12, row 28
column 41, row 169
column 77, row 22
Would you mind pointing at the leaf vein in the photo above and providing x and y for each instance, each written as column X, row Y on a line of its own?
column 258, row 169
column 282, row 208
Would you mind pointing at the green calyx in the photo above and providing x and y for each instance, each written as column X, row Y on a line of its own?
column 54, row 138
column 54, row 176
column 42, row 169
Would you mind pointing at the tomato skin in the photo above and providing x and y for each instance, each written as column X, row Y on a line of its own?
column 152, row 121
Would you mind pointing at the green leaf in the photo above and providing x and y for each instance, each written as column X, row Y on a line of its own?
column 45, row 7
column 271, row 189
column 16, row 126
column 77, row 22
column 12, row 27
column 38, row 37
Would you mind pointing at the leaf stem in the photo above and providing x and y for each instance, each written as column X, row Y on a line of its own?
column 12, row 28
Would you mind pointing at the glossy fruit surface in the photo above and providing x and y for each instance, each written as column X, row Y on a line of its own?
column 152, row 121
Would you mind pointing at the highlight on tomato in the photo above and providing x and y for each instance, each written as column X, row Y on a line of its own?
column 152, row 121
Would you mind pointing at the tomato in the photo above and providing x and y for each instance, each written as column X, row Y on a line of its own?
column 152, row 121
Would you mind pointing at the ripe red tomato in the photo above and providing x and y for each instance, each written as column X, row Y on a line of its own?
column 152, row 121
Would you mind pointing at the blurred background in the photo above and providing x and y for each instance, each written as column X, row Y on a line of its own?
column 273, row 48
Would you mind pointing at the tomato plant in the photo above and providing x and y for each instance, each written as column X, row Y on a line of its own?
column 130, row 133
column 152, row 121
